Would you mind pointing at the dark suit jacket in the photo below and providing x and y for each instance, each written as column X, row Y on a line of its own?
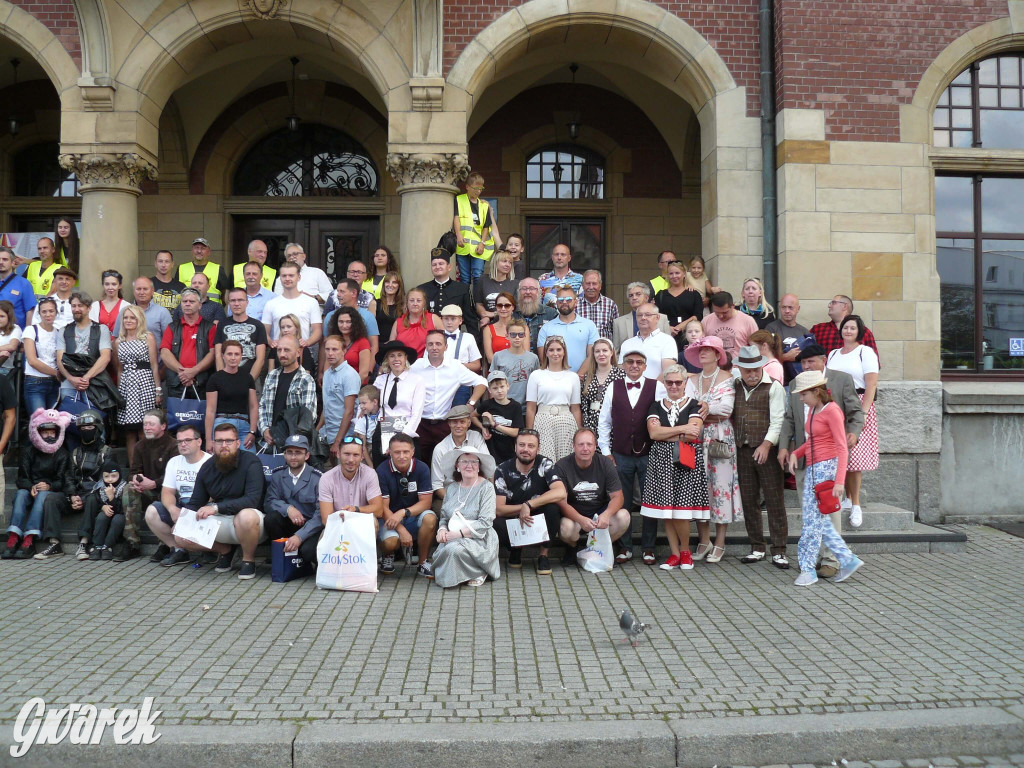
column 452, row 292
column 844, row 393
column 303, row 495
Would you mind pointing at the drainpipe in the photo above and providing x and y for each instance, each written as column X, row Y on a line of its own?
column 769, row 202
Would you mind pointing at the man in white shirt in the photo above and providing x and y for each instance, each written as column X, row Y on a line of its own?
column 462, row 347
column 441, row 380
column 293, row 302
column 179, row 480
column 313, row 281
column 458, row 438
column 63, row 283
column 659, row 348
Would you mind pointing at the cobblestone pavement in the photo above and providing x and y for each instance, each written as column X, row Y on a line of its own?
column 908, row 631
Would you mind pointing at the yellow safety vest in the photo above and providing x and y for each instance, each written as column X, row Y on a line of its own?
column 212, row 270
column 471, row 234
column 658, row 285
column 41, row 282
column 267, row 281
column 374, row 290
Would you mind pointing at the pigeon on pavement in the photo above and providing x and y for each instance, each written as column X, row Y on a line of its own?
column 631, row 627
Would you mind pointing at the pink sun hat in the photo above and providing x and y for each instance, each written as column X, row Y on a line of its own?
column 692, row 352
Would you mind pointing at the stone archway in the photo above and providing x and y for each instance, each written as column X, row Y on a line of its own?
column 659, row 48
column 41, row 44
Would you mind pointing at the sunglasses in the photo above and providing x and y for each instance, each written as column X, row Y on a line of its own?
column 403, row 484
column 533, row 432
column 516, row 334
column 565, row 299
column 352, row 439
column 504, row 306
column 112, row 273
column 674, row 383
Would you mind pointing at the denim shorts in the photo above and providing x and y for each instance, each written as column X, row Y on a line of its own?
column 412, row 525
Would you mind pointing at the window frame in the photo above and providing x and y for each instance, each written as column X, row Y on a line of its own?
column 946, row 101
column 587, row 157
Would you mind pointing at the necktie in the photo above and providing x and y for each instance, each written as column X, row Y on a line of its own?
column 393, row 397
column 632, row 384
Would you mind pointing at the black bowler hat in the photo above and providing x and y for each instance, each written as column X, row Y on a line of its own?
column 396, row 346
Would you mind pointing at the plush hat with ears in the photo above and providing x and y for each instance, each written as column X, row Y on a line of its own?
column 58, row 420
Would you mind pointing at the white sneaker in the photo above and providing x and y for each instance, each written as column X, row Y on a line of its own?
column 847, row 504
column 806, row 578
column 856, row 516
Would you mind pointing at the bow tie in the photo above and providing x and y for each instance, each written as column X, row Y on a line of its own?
column 452, row 336
column 632, row 384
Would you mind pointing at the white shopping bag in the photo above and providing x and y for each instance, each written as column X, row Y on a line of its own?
column 347, row 553
column 598, row 556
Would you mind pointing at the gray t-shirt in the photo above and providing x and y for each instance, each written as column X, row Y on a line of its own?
column 518, row 369
column 82, row 339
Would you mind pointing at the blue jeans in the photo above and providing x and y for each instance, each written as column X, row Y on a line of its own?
column 470, row 266
column 40, row 392
column 630, row 469
column 242, row 425
column 21, row 511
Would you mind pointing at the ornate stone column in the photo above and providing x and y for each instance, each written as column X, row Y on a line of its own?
column 426, row 183
column 110, row 185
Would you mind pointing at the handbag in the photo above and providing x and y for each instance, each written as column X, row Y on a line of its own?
column 719, row 449
column 183, row 411
column 828, row 502
column 687, row 455
column 287, row 567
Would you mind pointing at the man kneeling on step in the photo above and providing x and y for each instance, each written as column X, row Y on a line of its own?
column 228, row 489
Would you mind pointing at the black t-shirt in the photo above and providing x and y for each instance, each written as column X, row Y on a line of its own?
column 232, row 391
column 502, row 446
column 249, row 333
column 517, row 487
column 167, row 293
column 283, row 385
column 589, row 489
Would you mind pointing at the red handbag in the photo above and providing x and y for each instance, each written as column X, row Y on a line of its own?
column 828, row 502
column 687, row 456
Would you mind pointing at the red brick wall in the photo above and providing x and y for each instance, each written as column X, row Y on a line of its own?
column 860, row 60
column 729, row 25
column 59, row 17
column 654, row 175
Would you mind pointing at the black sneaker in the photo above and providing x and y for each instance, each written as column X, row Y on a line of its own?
column 8, row 553
column 224, row 561
column 387, row 564
column 569, row 558
column 22, row 553
column 53, row 549
column 125, row 551
column 543, row 566
column 176, row 557
column 515, row 558
column 108, row 554
column 247, row 571
column 161, row 552
column 96, row 554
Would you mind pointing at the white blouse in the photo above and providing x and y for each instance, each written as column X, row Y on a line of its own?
column 546, row 387
column 861, row 361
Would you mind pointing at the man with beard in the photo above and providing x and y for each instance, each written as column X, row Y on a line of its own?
column 83, row 337
column 146, row 476
column 287, row 386
column 442, row 290
column 578, row 332
column 86, row 463
column 63, row 286
column 293, row 499
column 530, row 308
column 527, row 486
column 229, row 490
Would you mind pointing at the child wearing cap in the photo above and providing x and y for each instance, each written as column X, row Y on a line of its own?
column 110, row 521
column 461, row 345
column 500, row 418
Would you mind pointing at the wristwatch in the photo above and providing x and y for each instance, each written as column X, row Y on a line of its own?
column 471, row 403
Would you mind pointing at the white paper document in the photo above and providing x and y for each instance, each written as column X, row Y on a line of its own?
column 202, row 532
column 520, row 535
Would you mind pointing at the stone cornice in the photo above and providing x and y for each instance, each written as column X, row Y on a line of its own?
column 121, row 170
column 418, row 170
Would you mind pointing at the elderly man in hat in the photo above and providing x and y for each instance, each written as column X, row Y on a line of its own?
column 844, row 394
column 291, row 507
column 441, row 381
column 757, row 415
column 459, row 420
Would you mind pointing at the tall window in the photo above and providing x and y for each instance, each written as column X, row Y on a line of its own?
column 38, row 174
column 314, row 161
column 979, row 225
column 564, row 172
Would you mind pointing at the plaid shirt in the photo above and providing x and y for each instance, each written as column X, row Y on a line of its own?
column 828, row 336
column 602, row 313
column 301, row 392
column 573, row 279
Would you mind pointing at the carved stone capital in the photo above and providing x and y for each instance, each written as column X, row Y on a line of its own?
column 121, row 170
column 428, row 169
column 263, row 9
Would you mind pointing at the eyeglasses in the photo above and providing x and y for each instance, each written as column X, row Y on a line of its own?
column 516, row 334
column 527, row 288
column 185, row 440
column 479, row 188
column 226, row 441
column 646, row 314
column 506, row 305
column 554, row 338
column 673, row 383
column 353, row 439
column 636, row 362
column 834, row 303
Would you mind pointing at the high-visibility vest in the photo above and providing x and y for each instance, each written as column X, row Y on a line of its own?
column 472, row 235
column 374, row 290
column 267, row 281
column 212, row 270
column 42, row 280
column 658, row 285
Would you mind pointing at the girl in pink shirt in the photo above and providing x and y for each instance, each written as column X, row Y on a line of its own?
column 826, row 454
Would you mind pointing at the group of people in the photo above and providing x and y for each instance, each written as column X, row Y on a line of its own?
column 491, row 397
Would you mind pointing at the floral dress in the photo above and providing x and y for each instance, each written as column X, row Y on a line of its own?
column 722, row 475
column 592, row 398
column 137, row 386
